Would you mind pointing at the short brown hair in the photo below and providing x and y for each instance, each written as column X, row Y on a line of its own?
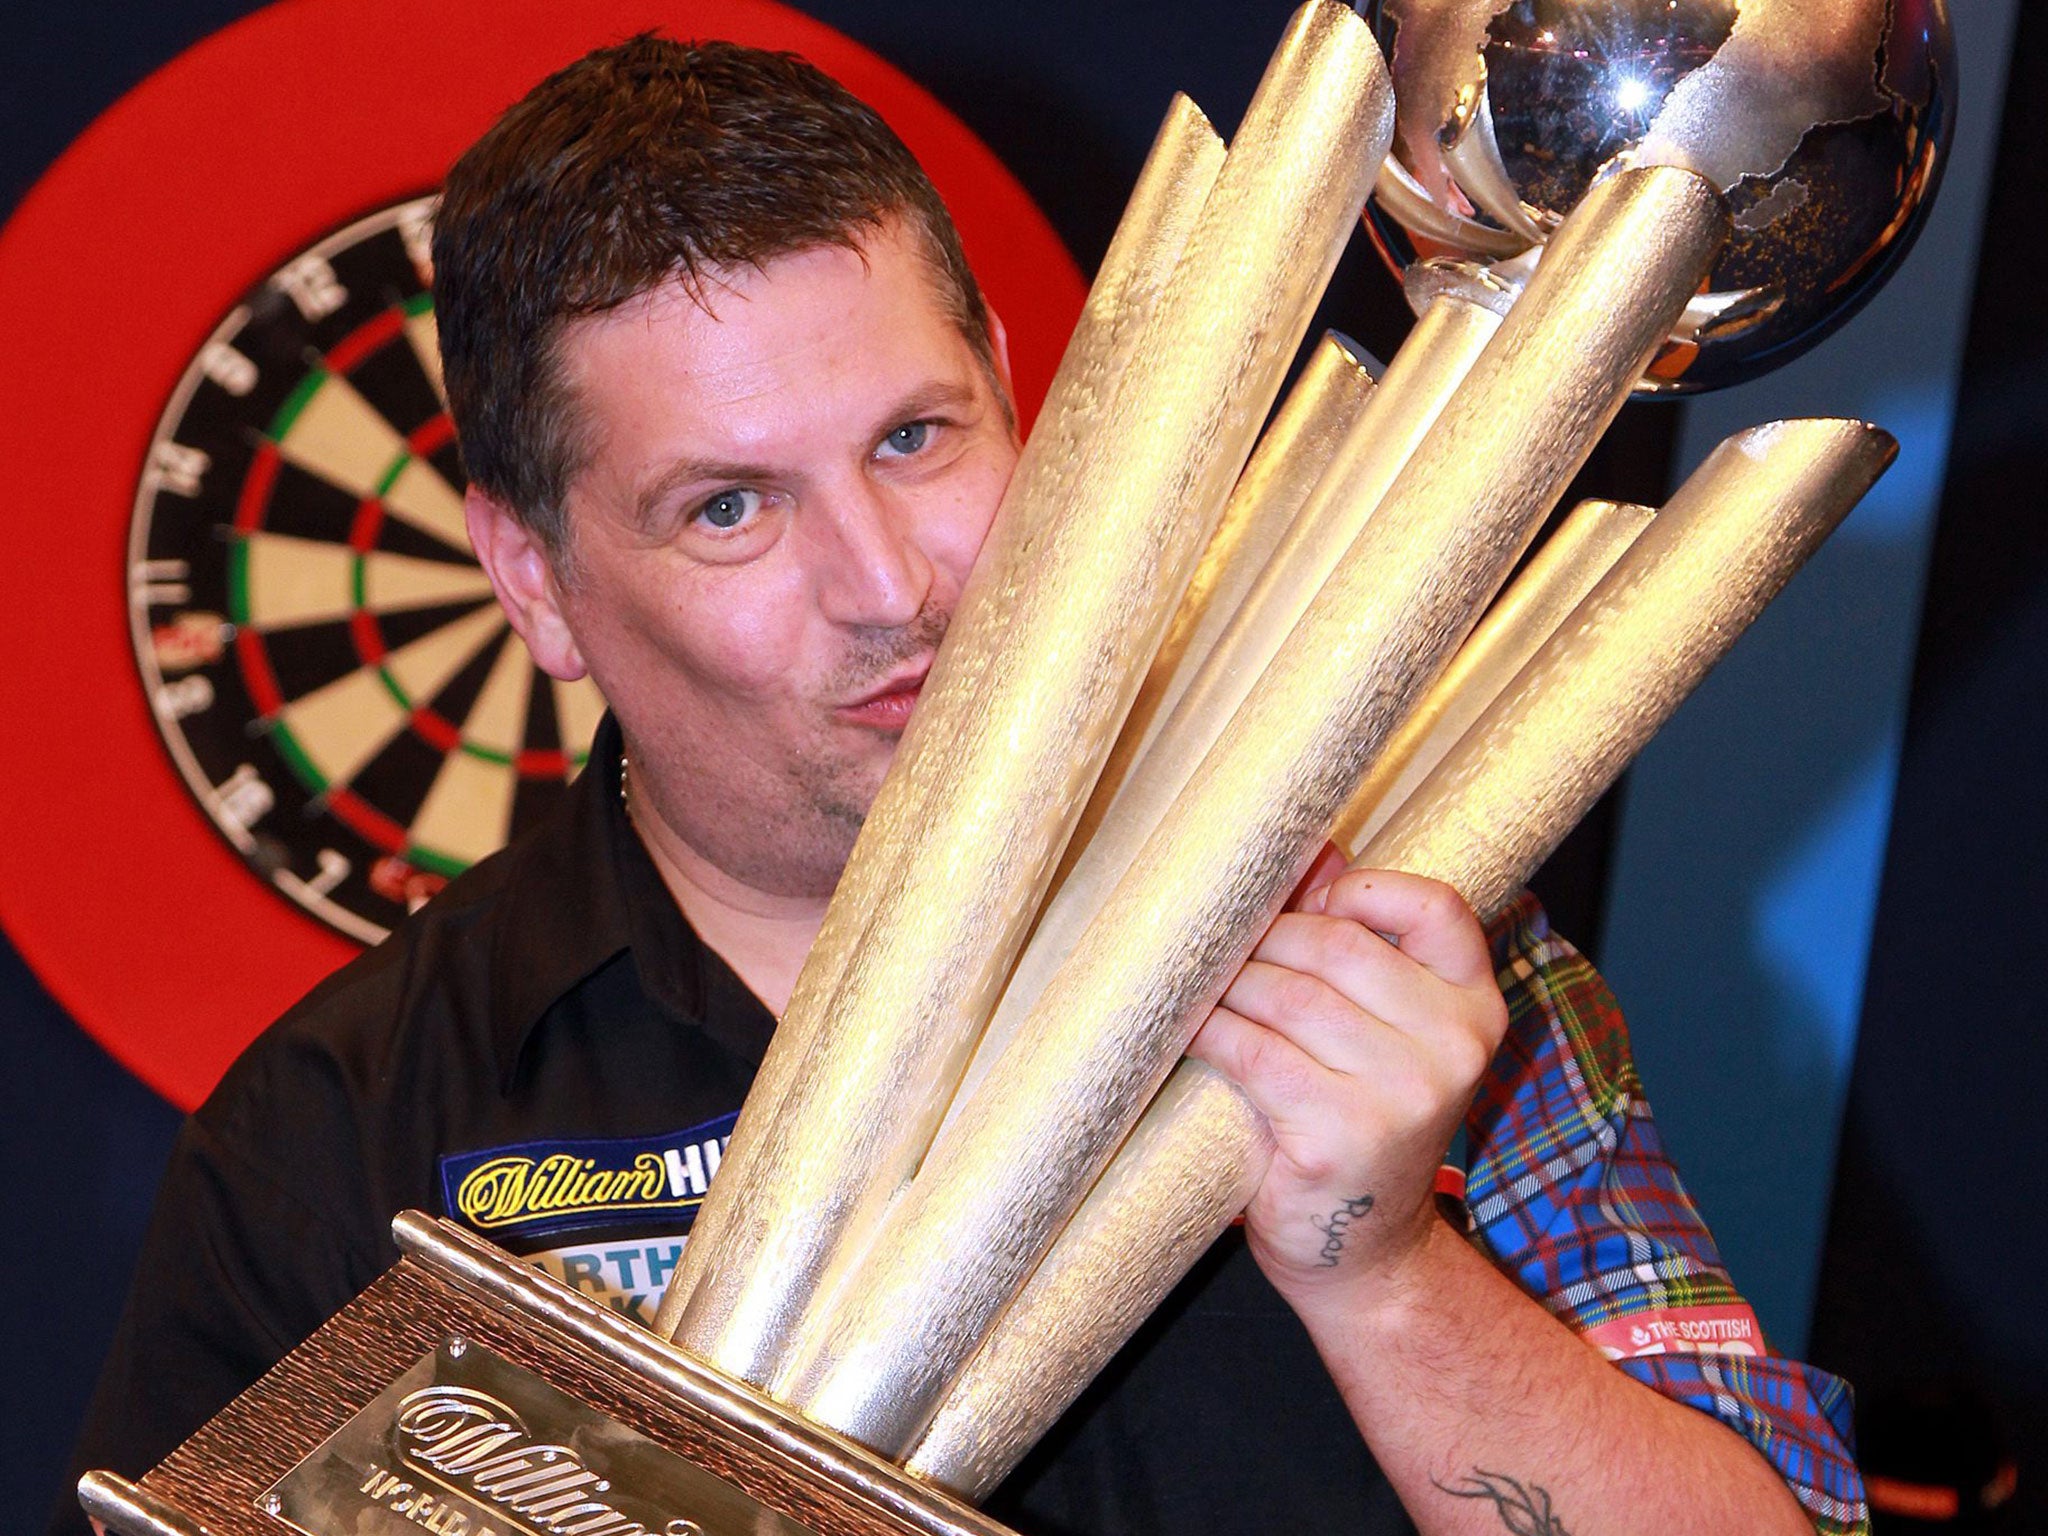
column 641, row 163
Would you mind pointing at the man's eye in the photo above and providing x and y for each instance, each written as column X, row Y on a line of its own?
column 908, row 438
column 728, row 509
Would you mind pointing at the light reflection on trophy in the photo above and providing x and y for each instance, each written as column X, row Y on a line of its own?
column 973, row 1160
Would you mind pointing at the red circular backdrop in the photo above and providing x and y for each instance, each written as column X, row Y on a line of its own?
column 140, row 919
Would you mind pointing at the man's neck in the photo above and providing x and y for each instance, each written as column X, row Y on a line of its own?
column 762, row 936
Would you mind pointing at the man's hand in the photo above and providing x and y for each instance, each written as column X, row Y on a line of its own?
column 1360, row 1027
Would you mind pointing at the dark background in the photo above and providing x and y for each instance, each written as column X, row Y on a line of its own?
column 1924, row 1281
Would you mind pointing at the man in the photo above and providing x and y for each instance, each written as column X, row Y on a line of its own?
column 736, row 419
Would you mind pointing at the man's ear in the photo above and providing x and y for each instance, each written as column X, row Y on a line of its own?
column 524, row 579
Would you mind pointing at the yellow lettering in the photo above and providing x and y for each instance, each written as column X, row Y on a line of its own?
column 510, row 1189
column 496, row 1192
column 652, row 1182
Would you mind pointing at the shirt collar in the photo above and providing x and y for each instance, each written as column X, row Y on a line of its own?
column 583, row 890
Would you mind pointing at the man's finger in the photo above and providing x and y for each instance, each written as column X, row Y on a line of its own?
column 1320, row 1018
column 1328, row 865
column 1360, row 965
column 1293, row 1090
column 1429, row 920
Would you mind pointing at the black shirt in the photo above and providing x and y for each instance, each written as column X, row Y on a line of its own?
column 547, row 1053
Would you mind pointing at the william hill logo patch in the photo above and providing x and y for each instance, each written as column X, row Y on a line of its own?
column 550, row 1186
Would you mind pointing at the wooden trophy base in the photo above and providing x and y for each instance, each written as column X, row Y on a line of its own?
column 468, row 1394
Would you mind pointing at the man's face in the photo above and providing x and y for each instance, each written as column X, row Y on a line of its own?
column 784, row 491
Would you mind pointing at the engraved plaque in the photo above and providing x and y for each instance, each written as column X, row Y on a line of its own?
column 465, row 1443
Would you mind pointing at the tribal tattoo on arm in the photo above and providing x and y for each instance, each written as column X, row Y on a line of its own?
column 1523, row 1510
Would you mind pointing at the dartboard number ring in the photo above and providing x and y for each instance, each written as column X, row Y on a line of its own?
column 320, row 650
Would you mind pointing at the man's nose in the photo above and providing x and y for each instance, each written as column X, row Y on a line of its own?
column 874, row 571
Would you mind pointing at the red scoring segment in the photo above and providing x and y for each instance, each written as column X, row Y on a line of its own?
column 365, row 339
column 234, row 156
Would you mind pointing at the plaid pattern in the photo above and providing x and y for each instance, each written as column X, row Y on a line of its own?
column 1570, row 1192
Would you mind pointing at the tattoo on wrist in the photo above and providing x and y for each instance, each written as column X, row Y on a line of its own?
column 1337, row 1226
column 1524, row 1509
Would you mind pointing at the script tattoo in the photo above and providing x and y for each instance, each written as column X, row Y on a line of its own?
column 1335, row 1226
column 1523, row 1510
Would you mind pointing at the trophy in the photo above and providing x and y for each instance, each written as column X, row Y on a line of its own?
column 1190, row 656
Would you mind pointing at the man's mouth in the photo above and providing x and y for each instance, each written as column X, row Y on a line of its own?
column 888, row 707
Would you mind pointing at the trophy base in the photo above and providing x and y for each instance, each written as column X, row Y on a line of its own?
column 468, row 1394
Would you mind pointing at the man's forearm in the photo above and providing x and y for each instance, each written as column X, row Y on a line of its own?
column 1489, row 1415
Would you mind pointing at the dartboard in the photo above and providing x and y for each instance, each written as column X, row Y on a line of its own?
column 321, row 651
column 260, row 701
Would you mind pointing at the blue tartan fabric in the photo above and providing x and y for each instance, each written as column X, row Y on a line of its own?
column 1570, row 1191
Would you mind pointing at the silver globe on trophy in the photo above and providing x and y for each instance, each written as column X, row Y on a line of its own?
column 1825, row 124
column 974, row 1159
